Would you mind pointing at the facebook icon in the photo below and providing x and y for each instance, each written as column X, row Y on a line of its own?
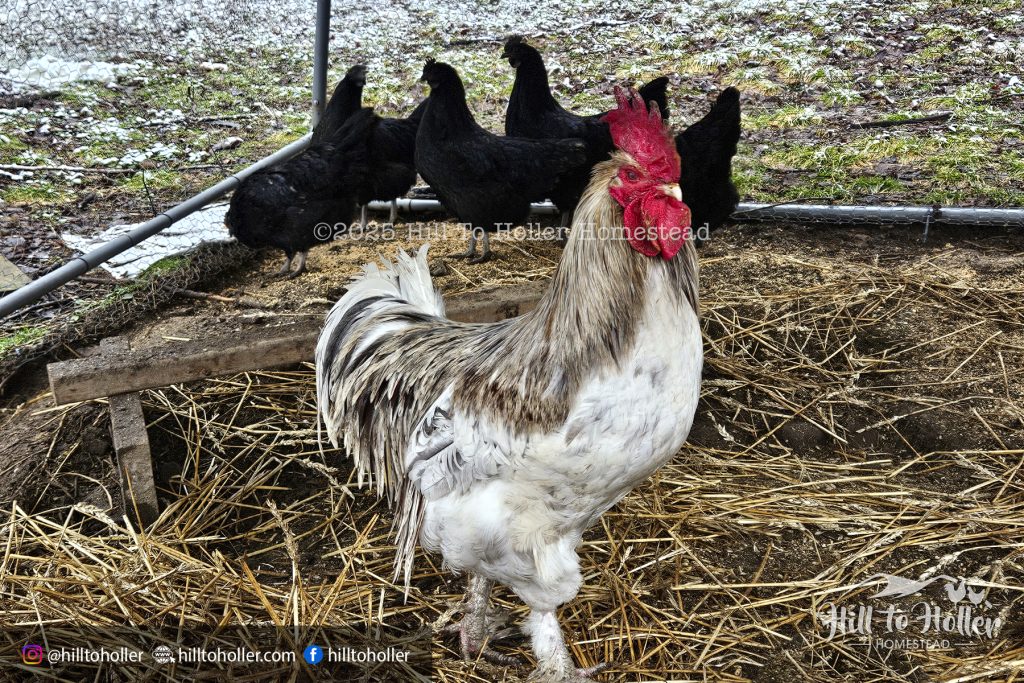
column 313, row 654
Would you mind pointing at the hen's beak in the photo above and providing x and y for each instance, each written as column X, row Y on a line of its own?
column 673, row 191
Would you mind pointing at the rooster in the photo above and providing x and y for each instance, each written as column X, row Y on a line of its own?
column 533, row 112
column 485, row 180
column 500, row 444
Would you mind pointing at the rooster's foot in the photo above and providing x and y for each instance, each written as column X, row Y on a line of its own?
column 481, row 625
column 474, row 639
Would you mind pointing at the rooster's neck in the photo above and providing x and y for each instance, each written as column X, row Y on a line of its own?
column 596, row 304
column 587, row 323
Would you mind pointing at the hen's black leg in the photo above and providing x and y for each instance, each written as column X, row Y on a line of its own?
column 302, row 266
column 285, row 267
column 485, row 255
column 471, row 251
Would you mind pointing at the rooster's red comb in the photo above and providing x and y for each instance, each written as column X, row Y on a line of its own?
column 642, row 134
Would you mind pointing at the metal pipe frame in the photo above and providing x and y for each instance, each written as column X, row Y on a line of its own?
column 321, row 44
column 80, row 265
column 807, row 213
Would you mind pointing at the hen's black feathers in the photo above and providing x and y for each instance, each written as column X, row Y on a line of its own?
column 281, row 206
column 533, row 112
column 484, row 179
column 706, row 150
column 393, row 157
column 346, row 100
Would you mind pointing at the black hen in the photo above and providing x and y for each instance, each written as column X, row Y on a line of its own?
column 346, row 100
column 706, row 150
column 533, row 112
column 287, row 205
column 392, row 161
column 485, row 180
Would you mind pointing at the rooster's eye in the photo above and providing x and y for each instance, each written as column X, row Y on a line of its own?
column 631, row 175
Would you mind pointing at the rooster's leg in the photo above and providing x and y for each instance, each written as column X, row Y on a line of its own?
column 554, row 663
column 394, row 211
column 477, row 627
column 362, row 219
column 485, row 254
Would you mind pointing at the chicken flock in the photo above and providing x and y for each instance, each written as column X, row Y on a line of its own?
column 498, row 445
column 485, row 181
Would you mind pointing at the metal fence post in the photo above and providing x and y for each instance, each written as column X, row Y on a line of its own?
column 320, row 45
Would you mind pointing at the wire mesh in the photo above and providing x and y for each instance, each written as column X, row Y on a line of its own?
column 49, row 42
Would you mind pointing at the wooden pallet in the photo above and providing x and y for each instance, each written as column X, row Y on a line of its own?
column 120, row 372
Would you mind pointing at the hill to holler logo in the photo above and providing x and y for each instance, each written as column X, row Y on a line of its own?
column 967, row 615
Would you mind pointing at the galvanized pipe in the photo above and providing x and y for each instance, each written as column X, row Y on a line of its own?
column 80, row 265
column 808, row 213
column 433, row 205
column 320, row 47
column 822, row 213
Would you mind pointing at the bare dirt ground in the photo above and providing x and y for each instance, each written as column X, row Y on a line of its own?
column 860, row 416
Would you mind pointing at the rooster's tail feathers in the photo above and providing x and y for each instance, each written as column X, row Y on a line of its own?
column 395, row 291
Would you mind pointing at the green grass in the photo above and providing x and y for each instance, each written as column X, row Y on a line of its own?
column 154, row 180
column 41, row 192
column 21, row 337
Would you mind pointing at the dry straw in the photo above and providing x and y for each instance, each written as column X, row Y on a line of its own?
column 858, row 418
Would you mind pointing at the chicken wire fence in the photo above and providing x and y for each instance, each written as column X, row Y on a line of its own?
column 96, row 306
column 49, row 43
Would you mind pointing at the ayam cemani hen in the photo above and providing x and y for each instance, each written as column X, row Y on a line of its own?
column 283, row 205
column 393, row 149
column 486, row 181
column 533, row 112
column 354, row 156
column 706, row 149
column 500, row 444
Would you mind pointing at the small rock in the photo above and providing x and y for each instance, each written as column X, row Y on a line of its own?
column 214, row 66
column 226, row 143
column 438, row 267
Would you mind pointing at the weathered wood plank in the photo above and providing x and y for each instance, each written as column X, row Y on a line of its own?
column 131, row 445
column 289, row 344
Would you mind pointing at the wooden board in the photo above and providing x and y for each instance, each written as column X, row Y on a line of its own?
column 131, row 445
column 285, row 344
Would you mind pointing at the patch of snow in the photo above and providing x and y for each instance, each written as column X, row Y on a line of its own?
column 53, row 73
column 206, row 225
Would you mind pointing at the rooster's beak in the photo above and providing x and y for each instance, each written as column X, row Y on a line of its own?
column 673, row 191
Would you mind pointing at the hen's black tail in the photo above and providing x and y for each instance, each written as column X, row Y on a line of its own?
column 705, row 151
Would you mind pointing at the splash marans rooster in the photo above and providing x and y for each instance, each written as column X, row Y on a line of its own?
column 500, row 444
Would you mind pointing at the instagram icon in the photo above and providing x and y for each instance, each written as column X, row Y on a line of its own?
column 32, row 654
